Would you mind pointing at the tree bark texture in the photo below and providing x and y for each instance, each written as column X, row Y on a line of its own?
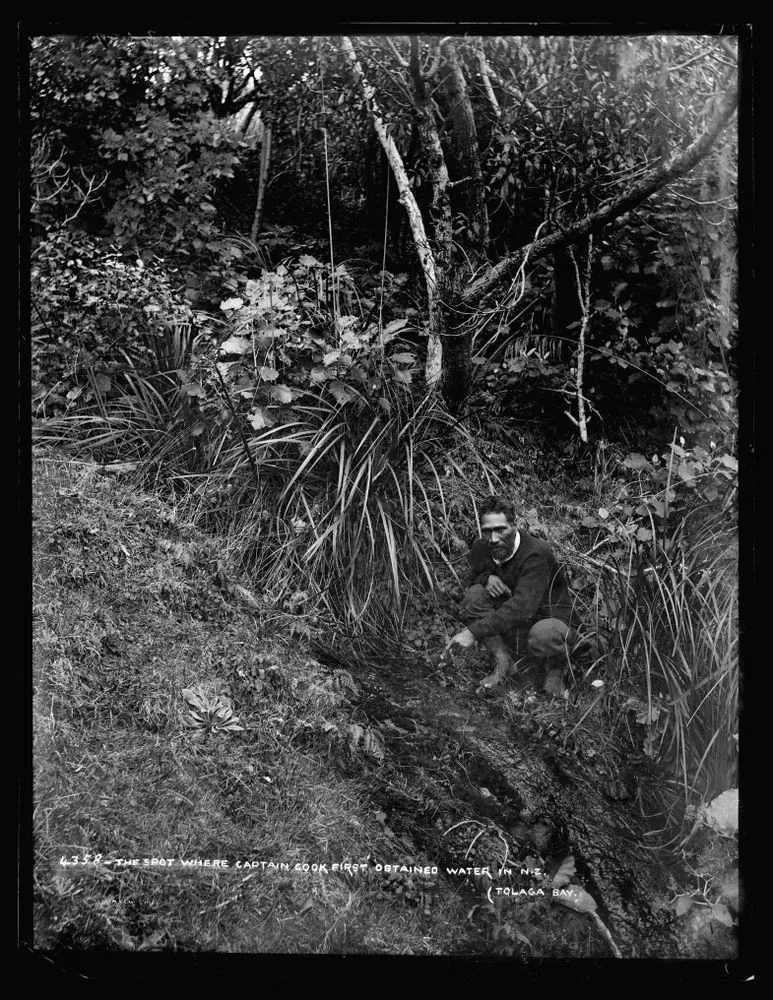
column 465, row 144
column 450, row 307
column 440, row 205
column 265, row 154
column 485, row 75
column 476, row 237
column 727, row 254
column 408, row 201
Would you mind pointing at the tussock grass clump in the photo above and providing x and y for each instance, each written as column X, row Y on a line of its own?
column 143, row 418
column 354, row 505
column 667, row 617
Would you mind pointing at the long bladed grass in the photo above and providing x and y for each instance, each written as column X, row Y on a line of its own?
column 362, row 498
column 671, row 619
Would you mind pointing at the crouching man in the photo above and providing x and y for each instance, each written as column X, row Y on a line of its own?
column 518, row 600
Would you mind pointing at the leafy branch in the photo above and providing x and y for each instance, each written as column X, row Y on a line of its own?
column 612, row 211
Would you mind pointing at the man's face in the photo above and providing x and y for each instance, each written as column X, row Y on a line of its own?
column 498, row 533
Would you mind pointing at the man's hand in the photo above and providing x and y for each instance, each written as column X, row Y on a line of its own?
column 462, row 640
column 496, row 587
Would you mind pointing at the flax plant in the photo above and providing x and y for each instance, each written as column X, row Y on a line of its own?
column 356, row 495
column 670, row 615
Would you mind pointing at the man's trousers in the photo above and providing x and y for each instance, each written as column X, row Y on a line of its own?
column 548, row 639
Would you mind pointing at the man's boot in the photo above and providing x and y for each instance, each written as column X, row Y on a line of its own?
column 501, row 658
column 554, row 679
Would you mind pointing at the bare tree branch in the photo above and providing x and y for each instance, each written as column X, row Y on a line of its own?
column 400, row 84
column 515, row 91
column 401, row 59
column 729, row 50
column 432, row 67
column 87, row 195
column 45, row 171
column 485, row 73
column 689, row 62
column 265, row 154
column 583, row 292
column 435, row 64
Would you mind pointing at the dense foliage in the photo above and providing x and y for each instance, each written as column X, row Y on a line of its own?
column 172, row 128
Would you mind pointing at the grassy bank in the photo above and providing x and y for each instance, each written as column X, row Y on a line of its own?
column 133, row 606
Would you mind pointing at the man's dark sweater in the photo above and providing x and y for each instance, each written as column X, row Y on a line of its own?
column 536, row 581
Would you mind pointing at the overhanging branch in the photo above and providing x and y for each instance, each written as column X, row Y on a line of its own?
column 651, row 182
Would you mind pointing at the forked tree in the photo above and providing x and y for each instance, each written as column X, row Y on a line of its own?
column 603, row 124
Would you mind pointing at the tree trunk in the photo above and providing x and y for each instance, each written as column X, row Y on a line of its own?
column 726, row 254
column 474, row 239
column 657, row 178
column 440, row 206
column 485, row 75
column 265, row 153
column 466, row 150
column 450, row 308
column 408, row 201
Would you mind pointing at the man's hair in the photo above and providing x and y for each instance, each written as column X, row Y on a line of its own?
column 497, row 505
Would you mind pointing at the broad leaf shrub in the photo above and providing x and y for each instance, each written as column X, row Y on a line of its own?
column 635, row 391
column 660, row 496
column 660, row 340
column 165, row 187
column 282, row 334
column 96, row 313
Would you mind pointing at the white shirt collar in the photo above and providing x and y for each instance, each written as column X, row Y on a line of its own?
column 517, row 542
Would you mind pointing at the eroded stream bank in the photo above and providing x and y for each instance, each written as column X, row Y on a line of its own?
column 360, row 751
column 458, row 780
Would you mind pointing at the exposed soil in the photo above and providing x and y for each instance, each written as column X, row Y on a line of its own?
column 453, row 758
